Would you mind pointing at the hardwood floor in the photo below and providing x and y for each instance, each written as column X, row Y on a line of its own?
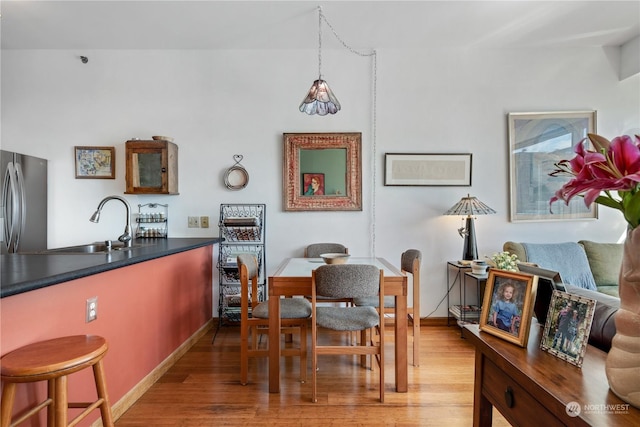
column 203, row 389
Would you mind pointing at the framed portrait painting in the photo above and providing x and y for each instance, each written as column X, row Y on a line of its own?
column 567, row 328
column 537, row 141
column 313, row 184
column 95, row 162
column 508, row 304
column 322, row 172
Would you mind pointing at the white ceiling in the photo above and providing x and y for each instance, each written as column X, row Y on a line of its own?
column 207, row 24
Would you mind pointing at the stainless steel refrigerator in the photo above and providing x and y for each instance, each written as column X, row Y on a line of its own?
column 23, row 210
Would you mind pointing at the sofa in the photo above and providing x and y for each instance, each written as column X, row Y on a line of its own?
column 602, row 260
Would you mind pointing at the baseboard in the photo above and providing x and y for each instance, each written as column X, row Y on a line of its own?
column 122, row 405
column 434, row 321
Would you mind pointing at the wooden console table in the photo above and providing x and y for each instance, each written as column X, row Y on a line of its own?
column 529, row 386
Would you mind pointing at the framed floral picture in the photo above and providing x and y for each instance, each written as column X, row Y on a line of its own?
column 567, row 327
column 508, row 304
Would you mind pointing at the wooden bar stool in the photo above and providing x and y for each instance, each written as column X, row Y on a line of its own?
column 52, row 361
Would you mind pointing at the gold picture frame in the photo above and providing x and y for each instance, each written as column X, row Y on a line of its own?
column 508, row 316
column 566, row 331
column 335, row 156
column 95, row 162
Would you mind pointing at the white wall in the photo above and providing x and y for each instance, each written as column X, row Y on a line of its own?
column 220, row 103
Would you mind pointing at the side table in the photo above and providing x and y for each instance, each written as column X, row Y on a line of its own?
column 532, row 387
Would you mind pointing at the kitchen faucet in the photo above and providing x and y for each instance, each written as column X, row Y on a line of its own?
column 127, row 237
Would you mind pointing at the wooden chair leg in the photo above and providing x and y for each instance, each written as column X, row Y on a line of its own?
column 51, row 410
column 60, row 400
column 303, row 352
column 244, row 355
column 8, row 396
column 101, row 388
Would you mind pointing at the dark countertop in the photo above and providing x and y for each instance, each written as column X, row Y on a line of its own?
column 27, row 272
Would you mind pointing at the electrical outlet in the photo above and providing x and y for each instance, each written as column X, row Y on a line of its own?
column 92, row 309
column 194, row 222
column 204, row 221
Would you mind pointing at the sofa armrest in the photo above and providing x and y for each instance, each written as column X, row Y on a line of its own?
column 603, row 327
column 515, row 248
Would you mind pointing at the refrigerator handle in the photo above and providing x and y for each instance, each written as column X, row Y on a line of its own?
column 10, row 207
column 21, row 203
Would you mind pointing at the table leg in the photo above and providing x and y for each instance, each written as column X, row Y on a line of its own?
column 401, row 343
column 274, row 344
column 482, row 407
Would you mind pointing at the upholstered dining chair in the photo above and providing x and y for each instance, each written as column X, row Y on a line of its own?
column 409, row 263
column 314, row 250
column 254, row 319
column 346, row 281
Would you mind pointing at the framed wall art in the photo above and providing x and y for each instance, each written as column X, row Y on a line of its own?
column 427, row 169
column 536, row 142
column 567, row 328
column 322, row 172
column 95, row 162
column 508, row 304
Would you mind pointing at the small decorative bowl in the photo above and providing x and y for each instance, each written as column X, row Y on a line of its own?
column 335, row 258
column 162, row 138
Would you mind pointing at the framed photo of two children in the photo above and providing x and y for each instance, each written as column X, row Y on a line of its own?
column 508, row 305
column 566, row 331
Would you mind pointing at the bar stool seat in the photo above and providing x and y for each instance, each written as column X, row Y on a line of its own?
column 52, row 361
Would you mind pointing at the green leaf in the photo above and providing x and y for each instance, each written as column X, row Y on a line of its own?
column 607, row 201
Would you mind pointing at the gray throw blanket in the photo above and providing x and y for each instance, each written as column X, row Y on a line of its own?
column 569, row 259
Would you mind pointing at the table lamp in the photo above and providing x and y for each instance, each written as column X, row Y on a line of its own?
column 469, row 206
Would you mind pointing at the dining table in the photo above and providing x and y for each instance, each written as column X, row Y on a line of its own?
column 293, row 278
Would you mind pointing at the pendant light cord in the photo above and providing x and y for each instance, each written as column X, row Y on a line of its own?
column 374, row 113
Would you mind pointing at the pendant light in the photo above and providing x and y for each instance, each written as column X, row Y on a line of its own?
column 320, row 100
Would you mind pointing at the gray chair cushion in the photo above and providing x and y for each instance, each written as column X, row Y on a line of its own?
column 316, row 249
column 290, row 308
column 347, row 280
column 407, row 258
column 389, row 301
column 347, row 318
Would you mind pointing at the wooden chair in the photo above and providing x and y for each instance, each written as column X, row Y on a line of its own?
column 409, row 263
column 314, row 250
column 52, row 361
column 254, row 319
column 347, row 281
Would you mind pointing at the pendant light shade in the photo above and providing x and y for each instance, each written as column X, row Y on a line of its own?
column 320, row 100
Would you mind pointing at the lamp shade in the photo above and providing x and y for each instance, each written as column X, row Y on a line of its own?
column 320, row 100
column 469, row 206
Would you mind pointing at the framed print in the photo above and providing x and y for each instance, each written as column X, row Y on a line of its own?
column 536, row 142
column 332, row 162
column 313, row 184
column 566, row 331
column 427, row 169
column 507, row 305
column 95, row 162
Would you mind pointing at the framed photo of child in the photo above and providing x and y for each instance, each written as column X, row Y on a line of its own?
column 566, row 331
column 508, row 305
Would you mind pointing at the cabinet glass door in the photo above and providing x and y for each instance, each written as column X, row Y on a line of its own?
column 147, row 170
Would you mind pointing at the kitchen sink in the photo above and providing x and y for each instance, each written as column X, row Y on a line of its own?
column 92, row 248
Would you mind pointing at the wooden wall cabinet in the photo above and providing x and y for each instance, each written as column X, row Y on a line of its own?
column 152, row 167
